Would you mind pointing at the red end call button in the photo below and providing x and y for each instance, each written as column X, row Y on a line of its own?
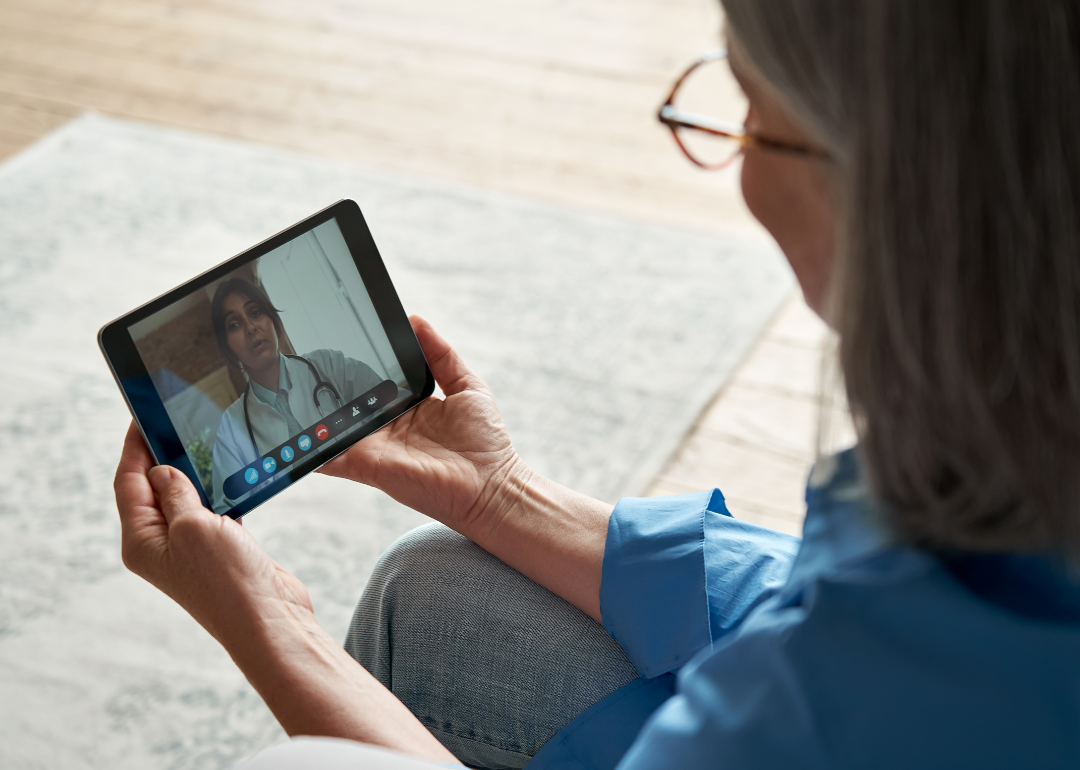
column 321, row 432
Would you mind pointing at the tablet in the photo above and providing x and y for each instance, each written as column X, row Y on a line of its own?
column 255, row 373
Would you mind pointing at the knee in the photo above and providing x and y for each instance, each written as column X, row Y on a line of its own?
column 422, row 555
column 426, row 568
column 402, row 589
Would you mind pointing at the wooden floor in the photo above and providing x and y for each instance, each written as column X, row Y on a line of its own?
column 758, row 438
column 543, row 98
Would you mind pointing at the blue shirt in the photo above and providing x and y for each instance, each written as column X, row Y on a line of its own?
column 847, row 650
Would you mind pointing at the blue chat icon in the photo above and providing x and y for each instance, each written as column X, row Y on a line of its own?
column 251, row 475
column 287, row 454
column 269, row 464
column 304, row 443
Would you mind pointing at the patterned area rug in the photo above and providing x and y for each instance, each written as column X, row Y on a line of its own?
column 602, row 339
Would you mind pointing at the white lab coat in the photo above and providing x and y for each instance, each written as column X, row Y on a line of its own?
column 233, row 450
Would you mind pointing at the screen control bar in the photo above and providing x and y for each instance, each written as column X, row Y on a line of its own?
column 301, row 446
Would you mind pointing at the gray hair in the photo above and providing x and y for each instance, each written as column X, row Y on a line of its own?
column 955, row 132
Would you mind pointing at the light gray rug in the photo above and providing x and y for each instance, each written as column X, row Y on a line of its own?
column 601, row 338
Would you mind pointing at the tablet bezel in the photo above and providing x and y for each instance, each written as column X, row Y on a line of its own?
column 146, row 406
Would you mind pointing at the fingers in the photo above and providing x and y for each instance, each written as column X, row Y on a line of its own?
column 135, row 458
column 133, row 493
column 175, row 494
column 448, row 367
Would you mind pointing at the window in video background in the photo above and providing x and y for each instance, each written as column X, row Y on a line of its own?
column 326, row 316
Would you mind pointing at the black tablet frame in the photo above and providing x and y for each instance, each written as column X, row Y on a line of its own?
column 146, row 406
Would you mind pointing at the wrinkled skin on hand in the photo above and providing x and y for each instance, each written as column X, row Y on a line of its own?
column 446, row 458
column 209, row 564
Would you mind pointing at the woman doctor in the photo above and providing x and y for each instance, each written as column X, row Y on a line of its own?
column 285, row 394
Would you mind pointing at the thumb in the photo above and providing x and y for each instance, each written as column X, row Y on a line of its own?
column 175, row 494
column 448, row 368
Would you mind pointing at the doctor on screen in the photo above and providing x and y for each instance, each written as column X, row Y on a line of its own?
column 285, row 394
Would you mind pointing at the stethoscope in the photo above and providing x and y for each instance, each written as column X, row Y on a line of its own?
column 320, row 385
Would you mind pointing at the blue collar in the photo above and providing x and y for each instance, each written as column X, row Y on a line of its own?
column 845, row 532
column 843, row 526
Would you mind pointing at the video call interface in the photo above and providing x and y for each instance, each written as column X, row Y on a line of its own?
column 275, row 362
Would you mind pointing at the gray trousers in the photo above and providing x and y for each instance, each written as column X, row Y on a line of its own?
column 489, row 661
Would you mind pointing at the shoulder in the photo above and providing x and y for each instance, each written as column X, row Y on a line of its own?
column 324, row 357
column 336, row 362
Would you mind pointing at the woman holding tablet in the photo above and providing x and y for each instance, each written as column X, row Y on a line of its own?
column 917, row 163
column 285, row 394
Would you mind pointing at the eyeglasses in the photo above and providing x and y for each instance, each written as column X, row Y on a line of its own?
column 712, row 143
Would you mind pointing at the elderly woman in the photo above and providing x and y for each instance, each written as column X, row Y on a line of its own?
column 918, row 164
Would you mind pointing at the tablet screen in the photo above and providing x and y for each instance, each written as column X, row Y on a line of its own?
column 274, row 363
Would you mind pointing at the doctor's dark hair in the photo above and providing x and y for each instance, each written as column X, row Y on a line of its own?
column 953, row 127
column 217, row 312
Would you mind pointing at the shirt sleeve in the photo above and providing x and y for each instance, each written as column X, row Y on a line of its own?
column 679, row 572
column 746, row 706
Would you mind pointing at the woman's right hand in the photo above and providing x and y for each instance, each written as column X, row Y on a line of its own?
column 450, row 458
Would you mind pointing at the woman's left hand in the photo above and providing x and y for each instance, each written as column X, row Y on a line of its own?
column 213, row 568
column 209, row 564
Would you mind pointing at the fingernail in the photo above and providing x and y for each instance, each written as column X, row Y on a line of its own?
column 159, row 476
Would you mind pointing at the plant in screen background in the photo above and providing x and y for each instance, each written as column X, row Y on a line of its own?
column 200, row 450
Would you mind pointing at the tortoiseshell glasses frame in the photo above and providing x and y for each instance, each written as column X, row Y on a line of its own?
column 676, row 119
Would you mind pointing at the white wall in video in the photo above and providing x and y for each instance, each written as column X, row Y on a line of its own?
column 264, row 354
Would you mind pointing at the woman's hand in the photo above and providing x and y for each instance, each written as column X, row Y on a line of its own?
column 213, row 568
column 450, row 459
column 209, row 564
